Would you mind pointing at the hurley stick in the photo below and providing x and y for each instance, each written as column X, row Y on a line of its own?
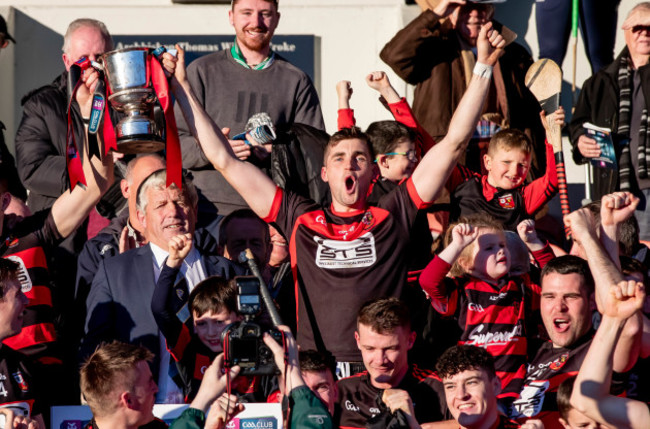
column 544, row 79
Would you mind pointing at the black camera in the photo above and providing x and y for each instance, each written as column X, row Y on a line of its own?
column 242, row 341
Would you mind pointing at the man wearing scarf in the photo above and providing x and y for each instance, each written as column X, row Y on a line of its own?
column 617, row 98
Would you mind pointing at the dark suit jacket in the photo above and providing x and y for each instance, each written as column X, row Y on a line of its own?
column 119, row 303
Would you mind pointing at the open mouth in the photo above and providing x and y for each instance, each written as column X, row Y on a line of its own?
column 561, row 325
column 350, row 184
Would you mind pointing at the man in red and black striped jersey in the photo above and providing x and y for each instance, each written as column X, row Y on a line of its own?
column 17, row 390
column 27, row 240
column 347, row 253
column 389, row 383
column 567, row 286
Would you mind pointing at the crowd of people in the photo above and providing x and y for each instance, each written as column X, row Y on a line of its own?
column 419, row 279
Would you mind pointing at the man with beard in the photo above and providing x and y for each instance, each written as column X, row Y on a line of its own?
column 234, row 85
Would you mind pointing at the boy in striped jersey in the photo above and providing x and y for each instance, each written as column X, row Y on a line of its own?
column 492, row 308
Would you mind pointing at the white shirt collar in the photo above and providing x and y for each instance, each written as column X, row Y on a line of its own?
column 160, row 255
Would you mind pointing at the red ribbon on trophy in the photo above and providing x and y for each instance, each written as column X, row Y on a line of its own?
column 143, row 139
column 73, row 160
column 173, row 148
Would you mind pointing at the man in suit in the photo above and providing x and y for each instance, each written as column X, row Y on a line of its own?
column 119, row 303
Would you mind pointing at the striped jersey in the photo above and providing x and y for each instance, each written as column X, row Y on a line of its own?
column 496, row 317
column 471, row 193
column 545, row 372
column 25, row 245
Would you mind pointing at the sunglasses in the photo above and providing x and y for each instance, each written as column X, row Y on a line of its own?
column 640, row 28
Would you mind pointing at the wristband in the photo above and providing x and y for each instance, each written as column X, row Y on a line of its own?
column 482, row 70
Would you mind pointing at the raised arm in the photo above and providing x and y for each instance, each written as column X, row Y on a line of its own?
column 168, row 323
column 250, row 182
column 307, row 411
column 615, row 209
column 541, row 190
column 603, row 269
column 345, row 113
column 400, row 109
column 72, row 207
column 434, row 280
column 436, row 166
column 212, row 387
column 605, row 274
column 591, row 392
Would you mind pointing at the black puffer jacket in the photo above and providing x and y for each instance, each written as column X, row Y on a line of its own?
column 41, row 147
column 598, row 104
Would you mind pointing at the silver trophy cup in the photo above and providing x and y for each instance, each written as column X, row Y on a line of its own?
column 131, row 93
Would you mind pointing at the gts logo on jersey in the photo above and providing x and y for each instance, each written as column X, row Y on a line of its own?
column 336, row 254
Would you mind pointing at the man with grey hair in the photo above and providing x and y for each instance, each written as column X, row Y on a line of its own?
column 118, row 304
column 41, row 158
column 616, row 98
column 125, row 232
column 41, row 137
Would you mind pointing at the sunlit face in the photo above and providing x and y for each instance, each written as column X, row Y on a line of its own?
column 469, row 23
column 565, row 308
column 143, row 395
column 385, row 356
column 254, row 22
column 209, row 326
column 349, row 171
column 85, row 42
column 472, row 398
column 507, row 169
column 398, row 167
column 12, row 308
column 490, row 256
column 637, row 38
column 142, row 168
column 576, row 420
column 168, row 213
column 324, row 387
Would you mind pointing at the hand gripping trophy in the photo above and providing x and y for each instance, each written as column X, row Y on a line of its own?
column 133, row 81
